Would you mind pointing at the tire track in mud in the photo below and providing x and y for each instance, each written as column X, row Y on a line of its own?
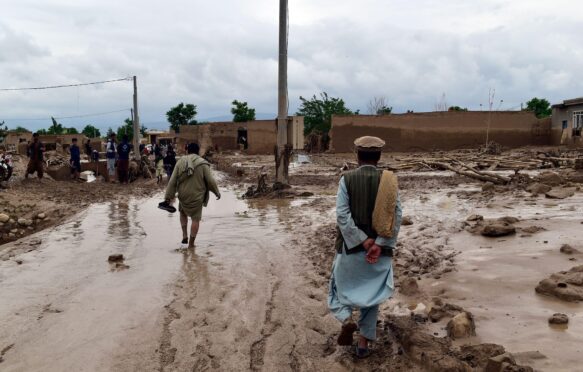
column 257, row 352
column 167, row 352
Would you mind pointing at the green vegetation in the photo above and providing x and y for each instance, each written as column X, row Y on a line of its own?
column 456, row 108
column 318, row 112
column 181, row 115
column 241, row 112
column 128, row 128
column 540, row 106
column 91, row 132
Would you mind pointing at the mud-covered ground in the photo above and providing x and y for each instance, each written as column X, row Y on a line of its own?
column 252, row 295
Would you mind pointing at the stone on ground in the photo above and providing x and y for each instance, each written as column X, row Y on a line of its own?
column 461, row 326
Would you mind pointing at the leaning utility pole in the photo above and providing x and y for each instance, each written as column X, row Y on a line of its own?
column 282, row 152
column 136, row 122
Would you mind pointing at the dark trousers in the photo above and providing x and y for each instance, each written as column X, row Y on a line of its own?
column 122, row 170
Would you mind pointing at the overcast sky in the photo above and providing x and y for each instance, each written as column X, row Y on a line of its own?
column 211, row 52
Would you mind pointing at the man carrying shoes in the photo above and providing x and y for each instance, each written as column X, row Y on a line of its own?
column 192, row 180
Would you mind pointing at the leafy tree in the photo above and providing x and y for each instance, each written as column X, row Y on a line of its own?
column 456, row 108
column 91, row 132
column 109, row 132
column 181, row 115
column 540, row 106
column 20, row 129
column 71, row 130
column 55, row 128
column 317, row 112
column 128, row 128
column 241, row 112
column 42, row 132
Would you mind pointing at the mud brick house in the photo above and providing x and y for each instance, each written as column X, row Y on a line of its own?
column 441, row 130
column 567, row 123
column 254, row 137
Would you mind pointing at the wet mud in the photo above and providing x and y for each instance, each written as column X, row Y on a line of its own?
column 252, row 294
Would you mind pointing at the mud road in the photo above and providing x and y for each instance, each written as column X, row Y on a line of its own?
column 242, row 300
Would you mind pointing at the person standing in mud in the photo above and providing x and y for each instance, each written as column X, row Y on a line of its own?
column 123, row 160
column 369, row 215
column 170, row 161
column 192, row 180
column 111, row 155
column 36, row 161
column 75, row 159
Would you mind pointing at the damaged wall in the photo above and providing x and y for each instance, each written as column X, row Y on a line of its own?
column 441, row 130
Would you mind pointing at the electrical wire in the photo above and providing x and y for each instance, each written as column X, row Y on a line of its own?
column 71, row 117
column 66, row 85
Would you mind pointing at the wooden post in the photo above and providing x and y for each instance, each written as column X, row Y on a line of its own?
column 282, row 149
column 136, row 122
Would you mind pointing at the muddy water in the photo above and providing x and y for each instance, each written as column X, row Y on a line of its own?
column 495, row 278
column 241, row 300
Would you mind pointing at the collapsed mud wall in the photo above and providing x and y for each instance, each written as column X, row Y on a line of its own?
column 441, row 130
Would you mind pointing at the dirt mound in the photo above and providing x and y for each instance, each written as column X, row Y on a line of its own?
column 565, row 285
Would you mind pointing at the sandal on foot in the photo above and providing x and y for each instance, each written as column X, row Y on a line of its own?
column 346, row 334
column 362, row 353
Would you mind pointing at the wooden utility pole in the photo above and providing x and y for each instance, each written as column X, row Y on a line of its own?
column 136, row 122
column 282, row 150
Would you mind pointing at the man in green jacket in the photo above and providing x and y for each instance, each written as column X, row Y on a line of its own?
column 192, row 180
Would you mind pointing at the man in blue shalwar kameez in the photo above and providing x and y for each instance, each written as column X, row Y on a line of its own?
column 362, row 273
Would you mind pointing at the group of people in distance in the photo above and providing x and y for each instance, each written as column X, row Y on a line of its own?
column 116, row 154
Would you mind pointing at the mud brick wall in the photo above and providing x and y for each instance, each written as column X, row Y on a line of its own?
column 261, row 137
column 441, row 130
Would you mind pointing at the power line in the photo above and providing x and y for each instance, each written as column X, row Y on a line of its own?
column 67, row 85
column 72, row 117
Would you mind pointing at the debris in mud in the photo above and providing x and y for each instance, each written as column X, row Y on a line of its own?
column 439, row 311
column 561, row 193
column 407, row 221
column 505, row 363
column 533, row 229
column 538, row 188
column 115, row 258
column 409, row 286
column 567, row 249
column 565, row 285
column 278, row 190
column 478, row 355
column 497, row 229
column 461, row 326
column 116, row 262
column 474, row 218
column 559, row 319
column 492, row 148
column 550, row 179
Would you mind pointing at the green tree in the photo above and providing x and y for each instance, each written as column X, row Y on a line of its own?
column 241, row 112
column 128, row 128
column 91, row 132
column 71, row 130
column 456, row 108
column 20, row 129
column 317, row 112
column 181, row 115
column 42, row 132
column 378, row 106
column 540, row 106
column 109, row 132
column 55, row 128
